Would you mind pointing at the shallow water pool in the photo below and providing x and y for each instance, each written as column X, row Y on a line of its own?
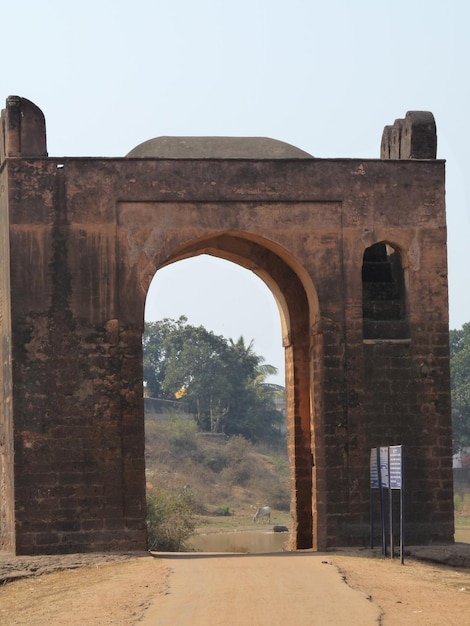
column 248, row 542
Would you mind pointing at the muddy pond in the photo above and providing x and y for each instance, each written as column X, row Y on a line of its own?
column 249, row 542
column 261, row 542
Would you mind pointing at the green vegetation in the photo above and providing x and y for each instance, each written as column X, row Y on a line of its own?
column 222, row 382
column 199, row 480
column 170, row 519
column 222, row 510
column 462, row 509
column 460, row 385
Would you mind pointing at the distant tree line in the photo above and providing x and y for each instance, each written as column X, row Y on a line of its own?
column 222, row 382
column 460, row 385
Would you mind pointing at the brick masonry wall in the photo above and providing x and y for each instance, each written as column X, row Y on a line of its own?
column 87, row 236
column 7, row 516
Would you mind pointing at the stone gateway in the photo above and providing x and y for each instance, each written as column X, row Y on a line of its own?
column 354, row 252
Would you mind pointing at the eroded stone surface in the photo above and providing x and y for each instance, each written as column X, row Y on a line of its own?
column 367, row 359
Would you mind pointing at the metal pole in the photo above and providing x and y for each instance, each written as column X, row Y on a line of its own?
column 402, row 507
column 382, row 511
column 390, row 512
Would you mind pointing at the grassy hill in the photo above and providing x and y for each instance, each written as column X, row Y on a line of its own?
column 227, row 478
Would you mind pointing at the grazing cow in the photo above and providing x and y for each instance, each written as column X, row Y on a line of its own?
column 262, row 511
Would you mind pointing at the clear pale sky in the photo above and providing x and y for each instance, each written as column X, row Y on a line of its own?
column 323, row 76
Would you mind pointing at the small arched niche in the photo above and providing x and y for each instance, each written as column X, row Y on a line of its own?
column 384, row 309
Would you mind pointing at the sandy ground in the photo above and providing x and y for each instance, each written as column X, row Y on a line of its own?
column 302, row 589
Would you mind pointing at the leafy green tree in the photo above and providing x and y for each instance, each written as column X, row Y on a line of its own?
column 252, row 412
column 222, row 382
column 153, row 342
column 196, row 370
column 460, row 385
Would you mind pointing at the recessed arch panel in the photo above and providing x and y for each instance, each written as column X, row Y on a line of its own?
column 298, row 308
column 384, row 301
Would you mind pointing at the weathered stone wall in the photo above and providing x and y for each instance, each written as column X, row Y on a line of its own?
column 87, row 236
column 7, row 516
column 413, row 137
column 22, row 129
column 79, row 437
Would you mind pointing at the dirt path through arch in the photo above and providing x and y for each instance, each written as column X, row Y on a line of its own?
column 302, row 589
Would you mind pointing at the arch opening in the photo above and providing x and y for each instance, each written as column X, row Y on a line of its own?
column 209, row 447
column 222, row 296
column 298, row 308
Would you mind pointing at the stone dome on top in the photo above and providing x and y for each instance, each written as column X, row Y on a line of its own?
column 217, row 148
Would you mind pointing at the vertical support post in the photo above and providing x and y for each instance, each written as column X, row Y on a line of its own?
column 402, row 509
column 382, row 507
column 390, row 512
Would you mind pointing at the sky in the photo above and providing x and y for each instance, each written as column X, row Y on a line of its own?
column 323, row 76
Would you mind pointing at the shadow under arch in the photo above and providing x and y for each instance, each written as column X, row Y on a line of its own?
column 297, row 301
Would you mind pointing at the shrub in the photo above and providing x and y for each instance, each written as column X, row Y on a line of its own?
column 238, row 468
column 215, row 460
column 170, row 519
column 237, row 449
column 223, row 510
column 458, row 503
column 182, row 433
column 237, row 473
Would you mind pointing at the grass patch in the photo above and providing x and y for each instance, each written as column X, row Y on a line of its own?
column 223, row 510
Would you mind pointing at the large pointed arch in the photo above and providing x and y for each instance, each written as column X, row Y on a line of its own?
column 297, row 302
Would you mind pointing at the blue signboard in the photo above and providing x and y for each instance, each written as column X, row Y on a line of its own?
column 386, row 472
column 396, row 474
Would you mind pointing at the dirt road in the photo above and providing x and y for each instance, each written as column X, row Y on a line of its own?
column 242, row 590
column 302, row 589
